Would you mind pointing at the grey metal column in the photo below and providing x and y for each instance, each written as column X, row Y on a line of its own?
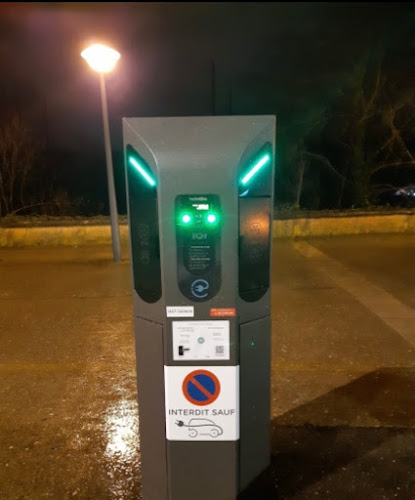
column 115, row 235
column 200, row 198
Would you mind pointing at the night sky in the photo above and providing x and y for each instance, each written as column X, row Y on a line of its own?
column 181, row 59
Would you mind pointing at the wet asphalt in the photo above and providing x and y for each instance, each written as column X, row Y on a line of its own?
column 343, row 373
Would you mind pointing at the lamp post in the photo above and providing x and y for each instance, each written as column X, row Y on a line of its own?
column 103, row 59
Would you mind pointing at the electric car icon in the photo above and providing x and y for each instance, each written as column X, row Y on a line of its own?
column 201, row 427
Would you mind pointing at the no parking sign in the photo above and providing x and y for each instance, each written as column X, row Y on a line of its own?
column 201, row 387
column 202, row 404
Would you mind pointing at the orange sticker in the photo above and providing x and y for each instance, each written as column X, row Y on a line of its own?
column 222, row 312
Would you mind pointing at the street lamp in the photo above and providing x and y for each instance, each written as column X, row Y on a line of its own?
column 103, row 59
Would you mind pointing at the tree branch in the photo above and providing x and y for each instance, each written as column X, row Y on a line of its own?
column 392, row 164
column 325, row 161
column 374, row 95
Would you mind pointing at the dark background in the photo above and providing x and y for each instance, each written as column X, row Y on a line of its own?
column 180, row 59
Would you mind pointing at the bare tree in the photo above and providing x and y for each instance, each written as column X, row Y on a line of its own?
column 372, row 127
column 18, row 152
column 303, row 157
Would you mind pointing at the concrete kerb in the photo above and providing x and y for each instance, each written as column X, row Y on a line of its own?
column 289, row 228
column 58, row 235
column 331, row 226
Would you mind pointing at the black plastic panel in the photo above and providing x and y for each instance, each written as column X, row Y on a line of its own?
column 198, row 246
column 145, row 241
column 254, row 247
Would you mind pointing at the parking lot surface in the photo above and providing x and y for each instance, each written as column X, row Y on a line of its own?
column 343, row 373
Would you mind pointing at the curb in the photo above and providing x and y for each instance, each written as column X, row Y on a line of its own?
column 289, row 228
column 333, row 226
column 59, row 235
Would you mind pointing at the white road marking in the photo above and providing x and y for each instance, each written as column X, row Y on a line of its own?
column 388, row 308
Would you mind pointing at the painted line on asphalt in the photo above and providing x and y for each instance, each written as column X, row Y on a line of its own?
column 388, row 308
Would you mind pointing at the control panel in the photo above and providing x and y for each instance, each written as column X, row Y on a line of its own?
column 198, row 236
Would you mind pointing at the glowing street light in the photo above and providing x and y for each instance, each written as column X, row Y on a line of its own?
column 103, row 59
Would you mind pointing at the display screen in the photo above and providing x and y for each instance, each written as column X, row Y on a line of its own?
column 201, row 206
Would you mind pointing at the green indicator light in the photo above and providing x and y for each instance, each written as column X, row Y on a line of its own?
column 142, row 171
column 256, row 168
column 185, row 218
column 211, row 218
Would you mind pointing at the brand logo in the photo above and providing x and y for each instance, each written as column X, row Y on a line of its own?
column 197, row 198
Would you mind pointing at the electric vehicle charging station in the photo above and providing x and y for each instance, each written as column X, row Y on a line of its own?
column 200, row 202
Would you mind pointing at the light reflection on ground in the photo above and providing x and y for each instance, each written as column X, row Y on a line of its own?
column 122, row 451
column 121, row 427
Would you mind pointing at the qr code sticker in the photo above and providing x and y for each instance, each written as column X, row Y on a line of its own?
column 220, row 350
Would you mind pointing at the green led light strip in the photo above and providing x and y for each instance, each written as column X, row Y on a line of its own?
column 141, row 170
column 256, row 168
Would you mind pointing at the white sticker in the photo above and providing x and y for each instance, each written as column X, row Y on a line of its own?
column 180, row 311
column 202, row 403
column 193, row 340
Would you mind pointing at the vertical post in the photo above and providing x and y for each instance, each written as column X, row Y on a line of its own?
column 115, row 235
column 213, row 86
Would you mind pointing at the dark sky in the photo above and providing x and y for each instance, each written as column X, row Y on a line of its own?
column 266, row 57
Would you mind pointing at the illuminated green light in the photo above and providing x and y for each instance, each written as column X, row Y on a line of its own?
column 141, row 170
column 185, row 218
column 211, row 218
column 255, row 169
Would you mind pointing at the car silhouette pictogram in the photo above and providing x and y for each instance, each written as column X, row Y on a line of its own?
column 201, row 427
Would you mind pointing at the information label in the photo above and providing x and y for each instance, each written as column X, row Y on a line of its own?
column 202, row 403
column 180, row 311
column 196, row 340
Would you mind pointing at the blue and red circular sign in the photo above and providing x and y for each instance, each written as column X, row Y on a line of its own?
column 201, row 387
